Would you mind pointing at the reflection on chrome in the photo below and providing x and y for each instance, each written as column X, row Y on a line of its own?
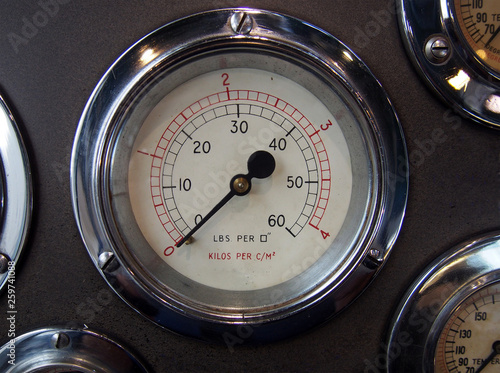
column 347, row 55
column 492, row 103
column 459, row 81
column 148, row 55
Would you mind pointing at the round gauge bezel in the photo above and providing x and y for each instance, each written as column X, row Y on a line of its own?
column 434, row 296
column 98, row 174
column 15, row 192
column 2, row 193
column 453, row 71
column 64, row 349
column 231, row 304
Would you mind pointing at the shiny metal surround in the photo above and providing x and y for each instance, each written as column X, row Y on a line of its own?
column 2, row 193
column 15, row 193
column 179, row 44
column 54, row 349
column 432, row 298
column 478, row 97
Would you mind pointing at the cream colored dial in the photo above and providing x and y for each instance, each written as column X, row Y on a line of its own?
column 470, row 341
column 479, row 21
column 184, row 159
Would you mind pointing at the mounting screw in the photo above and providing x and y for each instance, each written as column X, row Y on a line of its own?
column 374, row 259
column 4, row 263
column 60, row 340
column 437, row 49
column 107, row 261
column 375, row 254
column 241, row 23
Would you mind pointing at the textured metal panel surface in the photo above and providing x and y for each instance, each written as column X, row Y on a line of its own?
column 53, row 53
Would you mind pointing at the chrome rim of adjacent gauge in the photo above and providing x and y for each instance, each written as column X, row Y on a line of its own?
column 15, row 194
column 449, row 320
column 239, row 175
column 63, row 350
column 455, row 45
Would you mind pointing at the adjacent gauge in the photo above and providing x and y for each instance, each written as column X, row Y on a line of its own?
column 456, row 47
column 449, row 320
column 64, row 350
column 239, row 175
column 479, row 23
column 15, row 194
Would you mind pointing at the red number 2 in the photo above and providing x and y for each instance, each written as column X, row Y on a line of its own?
column 225, row 82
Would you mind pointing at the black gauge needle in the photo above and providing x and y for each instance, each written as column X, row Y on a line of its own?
column 260, row 164
column 492, row 37
column 495, row 351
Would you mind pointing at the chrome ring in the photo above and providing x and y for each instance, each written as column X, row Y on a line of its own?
column 16, row 194
column 52, row 350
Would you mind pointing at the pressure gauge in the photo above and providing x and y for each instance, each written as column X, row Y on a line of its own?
column 239, row 175
column 64, row 350
column 15, row 195
column 449, row 320
column 455, row 45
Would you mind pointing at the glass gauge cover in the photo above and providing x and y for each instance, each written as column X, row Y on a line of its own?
column 239, row 169
column 15, row 194
column 455, row 45
column 449, row 320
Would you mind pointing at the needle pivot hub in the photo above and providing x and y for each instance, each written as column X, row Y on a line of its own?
column 241, row 185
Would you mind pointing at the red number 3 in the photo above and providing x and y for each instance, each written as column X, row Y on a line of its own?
column 325, row 126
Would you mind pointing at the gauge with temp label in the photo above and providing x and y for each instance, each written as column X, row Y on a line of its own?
column 455, row 46
column 449, row 320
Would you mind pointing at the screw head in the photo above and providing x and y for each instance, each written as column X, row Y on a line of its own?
column 440, row 48
column 60, row 340
column 108, row 262
column 241, row 185
column 241, row 23
column 375, row 254
column 437, row 49
column 4, row 263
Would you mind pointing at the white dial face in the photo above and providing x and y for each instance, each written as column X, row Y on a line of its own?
column 208, row 130
column 470, row 341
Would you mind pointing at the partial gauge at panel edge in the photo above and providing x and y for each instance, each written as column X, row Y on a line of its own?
column 282, row 162
column 64, row 350
column 449, row 320
column 15, row 194
column 455, row 45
